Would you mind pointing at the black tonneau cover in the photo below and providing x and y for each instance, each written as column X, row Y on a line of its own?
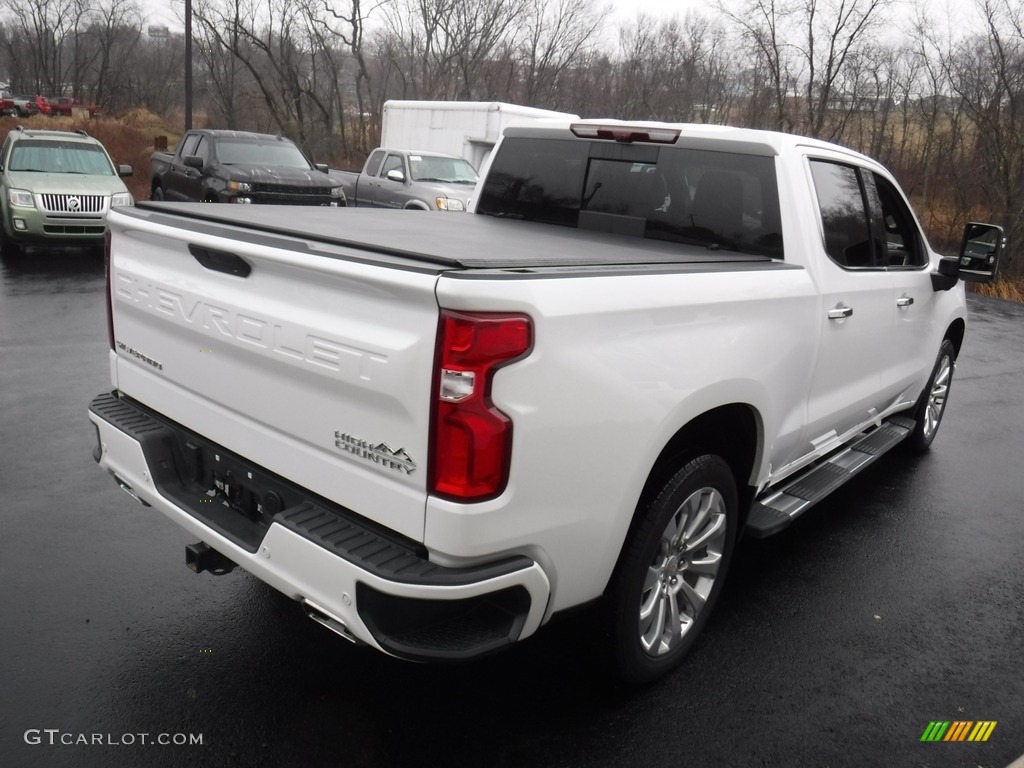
column 443, row 240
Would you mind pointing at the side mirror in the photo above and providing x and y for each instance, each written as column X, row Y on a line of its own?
column 980, row 251
column 322, row 167
column 947, row 275
column 396, row 175
column 193, row 161
column 124, row 170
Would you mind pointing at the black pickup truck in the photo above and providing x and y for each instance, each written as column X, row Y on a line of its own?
column 214, row 166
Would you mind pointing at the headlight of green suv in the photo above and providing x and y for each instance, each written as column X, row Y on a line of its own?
column 121, row 198
column 21, row 198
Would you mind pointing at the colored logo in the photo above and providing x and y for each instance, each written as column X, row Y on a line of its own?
column 958, row 730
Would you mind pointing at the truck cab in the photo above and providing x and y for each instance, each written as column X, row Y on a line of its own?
column 409, row 179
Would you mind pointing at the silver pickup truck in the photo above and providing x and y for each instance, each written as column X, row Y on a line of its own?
column 403, row 178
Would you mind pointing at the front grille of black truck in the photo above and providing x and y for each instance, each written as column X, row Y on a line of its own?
column 279, row 194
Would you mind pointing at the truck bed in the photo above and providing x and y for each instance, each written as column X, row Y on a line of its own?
column 444, row 242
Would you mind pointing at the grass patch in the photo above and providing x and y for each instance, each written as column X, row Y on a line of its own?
column 1008, row 288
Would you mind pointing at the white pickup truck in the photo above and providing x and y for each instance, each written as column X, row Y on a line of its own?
column 437, row 432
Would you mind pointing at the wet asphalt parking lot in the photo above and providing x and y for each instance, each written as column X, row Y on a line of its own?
column 897, row 602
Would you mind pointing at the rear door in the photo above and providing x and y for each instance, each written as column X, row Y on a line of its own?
column 181, row 178
column 305, row 359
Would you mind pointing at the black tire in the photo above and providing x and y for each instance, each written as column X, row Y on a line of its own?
column 932, row 404
column 157, row 193
column 664, row 587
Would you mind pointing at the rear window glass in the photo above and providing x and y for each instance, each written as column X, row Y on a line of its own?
column 718, row 200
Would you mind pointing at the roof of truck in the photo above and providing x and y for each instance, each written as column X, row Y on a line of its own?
column 694, row 134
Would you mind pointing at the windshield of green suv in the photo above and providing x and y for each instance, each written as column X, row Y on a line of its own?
column 57, row 156
column 233, row 152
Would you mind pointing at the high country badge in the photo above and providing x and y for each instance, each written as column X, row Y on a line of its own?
column 381, row 453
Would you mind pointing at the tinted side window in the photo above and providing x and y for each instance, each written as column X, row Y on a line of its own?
column 393, row 163
column 189, row 147
column 537, row 180
column 373, row 164
column 203, row 148
column 844, row 214
column 717, row 199
column 901, row 241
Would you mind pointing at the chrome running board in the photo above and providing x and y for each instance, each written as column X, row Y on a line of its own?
column 779, row 507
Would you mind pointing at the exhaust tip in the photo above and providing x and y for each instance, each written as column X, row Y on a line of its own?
column 124, row 486
column 320, row 616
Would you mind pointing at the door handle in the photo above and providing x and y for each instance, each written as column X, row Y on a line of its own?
column 840, row 312
column 904, row 301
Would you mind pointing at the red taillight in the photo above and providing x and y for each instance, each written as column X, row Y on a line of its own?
column 623, row 132
column 471, row 441
column 106, row 272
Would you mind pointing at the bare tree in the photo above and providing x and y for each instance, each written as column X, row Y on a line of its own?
column 113, row 38
column 156, row 76
column 348, row 24
column 834, row 31
column 270, row 40
column 440, row 49
column 763, row 27
column 556, row 37
column 987, row 75
column 45, row 35
column 675, row 70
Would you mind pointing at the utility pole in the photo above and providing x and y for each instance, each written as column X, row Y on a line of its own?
column 188, row 65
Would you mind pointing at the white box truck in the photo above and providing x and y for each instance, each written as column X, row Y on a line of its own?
column 466, row 128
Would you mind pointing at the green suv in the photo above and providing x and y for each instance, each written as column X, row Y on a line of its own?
column 56, row 187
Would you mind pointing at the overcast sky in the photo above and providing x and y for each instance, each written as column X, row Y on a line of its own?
column 167, row 12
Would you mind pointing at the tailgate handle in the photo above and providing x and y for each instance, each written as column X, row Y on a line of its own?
column 220, row 261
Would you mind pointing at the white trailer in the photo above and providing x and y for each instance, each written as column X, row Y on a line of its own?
column 466, row 128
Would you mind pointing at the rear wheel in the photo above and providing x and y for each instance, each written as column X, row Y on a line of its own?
column 932, row 404
column 672, row 569
column 157, row 193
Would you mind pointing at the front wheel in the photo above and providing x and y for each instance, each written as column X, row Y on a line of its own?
column 932, row 404
column 672, row 569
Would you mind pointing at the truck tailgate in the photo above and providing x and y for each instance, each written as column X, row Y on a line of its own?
column 317, row 369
